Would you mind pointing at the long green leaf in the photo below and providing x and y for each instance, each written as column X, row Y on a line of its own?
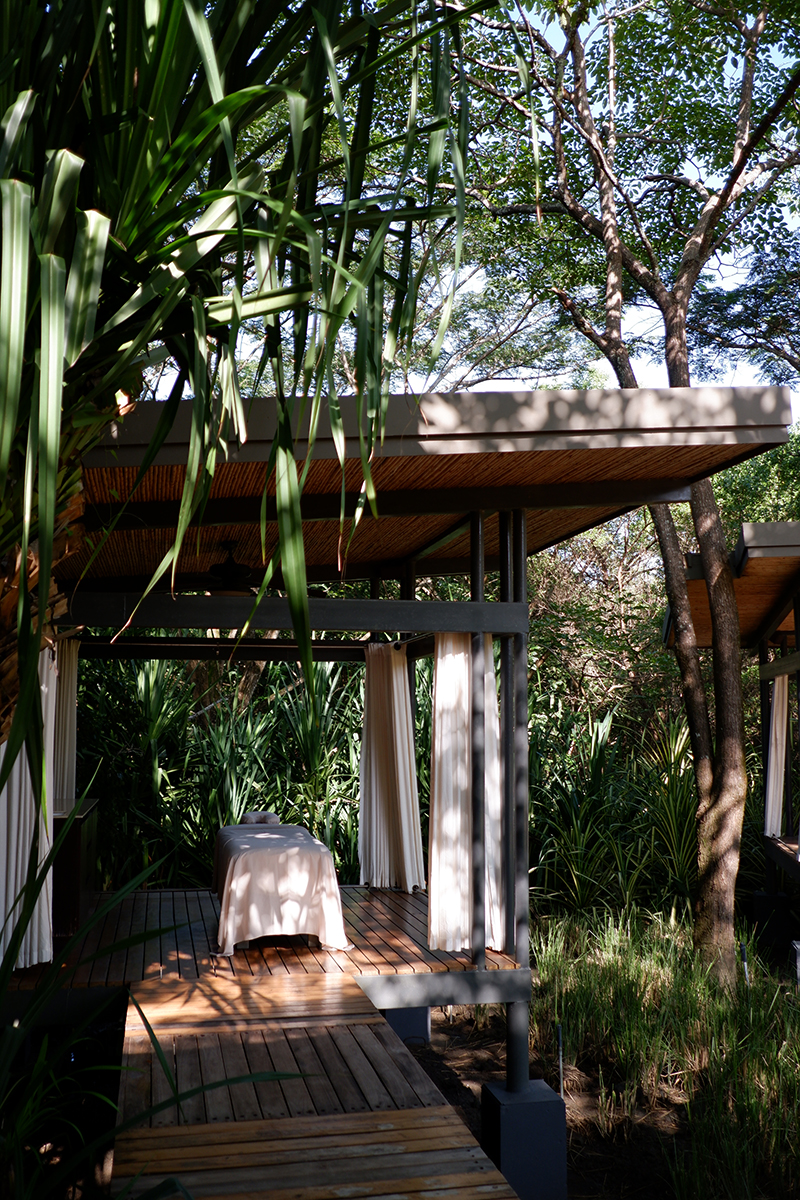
column 12, row 128
column 56, row 200
column 15, row 208
column 290, row 534
column 83, row 286
column 52, row 274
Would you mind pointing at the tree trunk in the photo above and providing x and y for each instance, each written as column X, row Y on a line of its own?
column 686, row 652
column 720, row 813
column 721, row 790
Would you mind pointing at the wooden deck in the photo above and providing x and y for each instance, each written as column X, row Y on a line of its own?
column 320, row 1027
column 359, row 1117
column 388, row 930
column 783, row 851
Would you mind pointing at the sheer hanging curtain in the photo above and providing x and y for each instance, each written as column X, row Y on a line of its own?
column 389, row 835
column 66, row 718
column 449, row 855
column 776, row 763
column 19, row 810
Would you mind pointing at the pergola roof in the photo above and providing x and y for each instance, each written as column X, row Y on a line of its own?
column 766, row 571
column 570, row 459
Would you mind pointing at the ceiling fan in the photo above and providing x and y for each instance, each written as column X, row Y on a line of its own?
column 230, row 578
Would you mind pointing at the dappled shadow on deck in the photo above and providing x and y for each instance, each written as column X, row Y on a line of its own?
column 388, row 930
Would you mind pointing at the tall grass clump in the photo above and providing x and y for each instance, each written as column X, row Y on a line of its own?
column 612, row 818
column 610, row 826
column 171, row 766
column 646, row 1028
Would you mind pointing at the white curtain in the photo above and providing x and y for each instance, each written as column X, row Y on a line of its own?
column 389, row 834
column 776, row 762
column 19, row 810
column 450, row 841
column 66, row 725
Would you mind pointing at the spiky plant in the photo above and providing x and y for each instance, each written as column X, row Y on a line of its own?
column 131, row 216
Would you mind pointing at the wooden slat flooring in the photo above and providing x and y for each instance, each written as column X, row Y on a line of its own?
column 350, row 1114
column 388, row 930
column 424, row 1154
column 783, row 851
column 320, row 1027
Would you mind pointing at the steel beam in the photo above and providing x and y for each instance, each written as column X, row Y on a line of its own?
column 231, row 612
column 215, row 649
column 447, row 987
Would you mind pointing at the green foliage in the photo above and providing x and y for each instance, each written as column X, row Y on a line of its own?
column 765, row 488
column 171, row 771
column 756, row 321
column 611, row 827
column 597, row 604
column 642, row 1016
column 134, row 223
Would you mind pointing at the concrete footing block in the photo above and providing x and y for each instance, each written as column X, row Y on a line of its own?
column 410, row 1024
column 525, row 1135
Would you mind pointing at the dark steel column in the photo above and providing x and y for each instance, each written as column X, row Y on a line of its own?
column 791, row 813
column 375, row 594
column 408, row 591
column 521, row 743
column 763, row 690
column 787, row 758
column 770, row 875
column 507, row 742
column 518, row 1013
column 478, row 754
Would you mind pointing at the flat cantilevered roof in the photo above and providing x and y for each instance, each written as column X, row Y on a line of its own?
column 766, row 578
column 570, row 459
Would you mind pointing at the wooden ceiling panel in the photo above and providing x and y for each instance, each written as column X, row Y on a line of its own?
column 601, row 452
column 770, row 577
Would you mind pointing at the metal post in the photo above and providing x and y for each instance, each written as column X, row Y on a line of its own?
column 478, row 753
column 408, row 591
column 788, row 815
column 518, row 1014
column 763, row 687
column 517, row 1046
column 796, row 606
column 507, row 742
column 374, row 594
column 771, row 877
column 521, row 743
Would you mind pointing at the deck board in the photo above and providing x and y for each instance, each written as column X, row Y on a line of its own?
column 358, row 1119
column 387, row 929
column 421, row 1153
column 783, row 851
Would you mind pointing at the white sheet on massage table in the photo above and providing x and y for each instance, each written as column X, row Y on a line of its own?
column 272, row 880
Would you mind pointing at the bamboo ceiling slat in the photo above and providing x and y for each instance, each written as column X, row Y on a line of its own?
column 104, row 485
column 764, row 584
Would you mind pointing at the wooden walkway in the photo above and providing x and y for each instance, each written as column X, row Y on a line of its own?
column 783, row 851
column 388, row 930
column 358, row 1119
